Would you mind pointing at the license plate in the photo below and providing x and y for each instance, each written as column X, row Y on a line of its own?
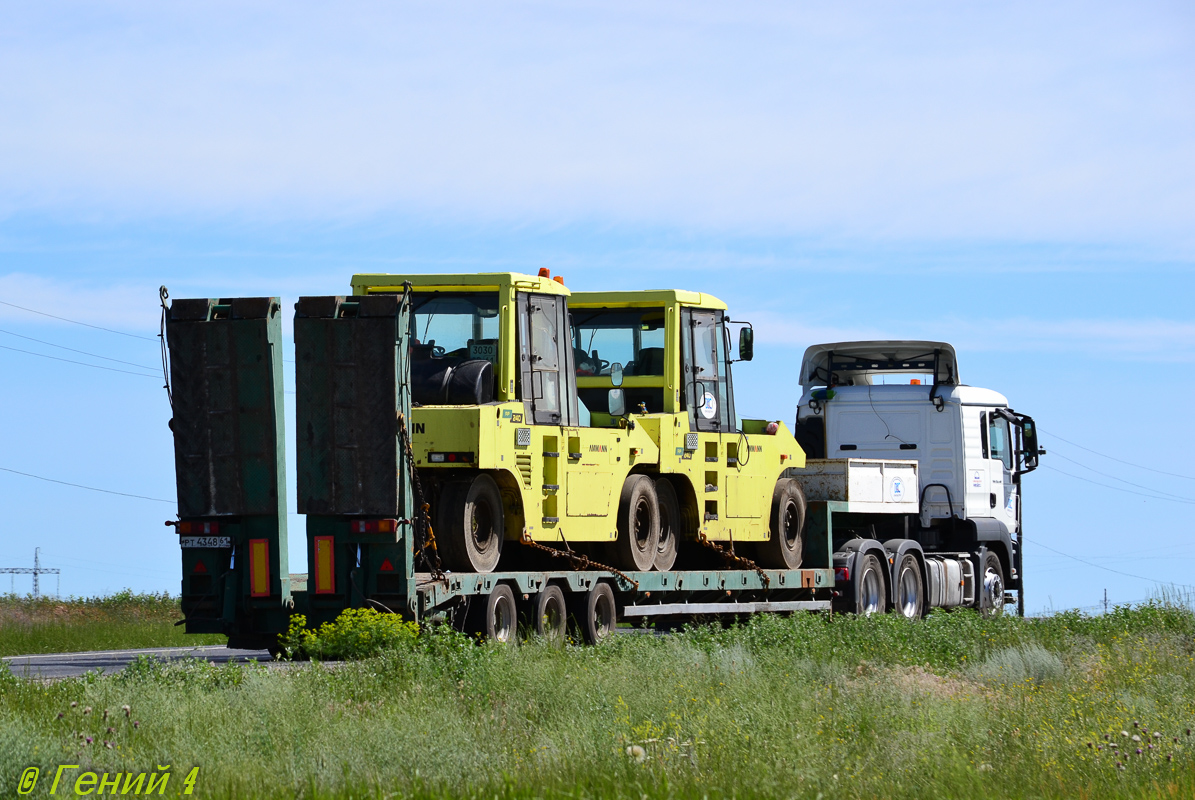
column 206, row 541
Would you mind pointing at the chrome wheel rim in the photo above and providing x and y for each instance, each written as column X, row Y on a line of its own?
column 870, row 593
column 909, row 597
column 993, row 591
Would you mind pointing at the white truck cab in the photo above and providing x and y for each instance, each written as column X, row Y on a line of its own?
column 902, row 400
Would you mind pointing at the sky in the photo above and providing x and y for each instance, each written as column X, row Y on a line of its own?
column 1015, row 178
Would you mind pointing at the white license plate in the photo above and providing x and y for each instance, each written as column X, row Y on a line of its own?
column 206, row 541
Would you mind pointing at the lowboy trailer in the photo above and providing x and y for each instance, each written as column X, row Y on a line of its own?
column 464, row 456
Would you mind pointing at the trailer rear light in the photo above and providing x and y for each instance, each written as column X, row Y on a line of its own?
column 450, row 458
column 325, row 575
column 842, row 574
column 259, row 568
column 373, row 526
column 198, row 528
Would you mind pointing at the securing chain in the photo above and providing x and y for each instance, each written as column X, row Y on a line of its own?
column 576, row 559
column 729, row 557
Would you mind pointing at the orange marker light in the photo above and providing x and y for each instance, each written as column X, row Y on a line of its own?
column 544, row 272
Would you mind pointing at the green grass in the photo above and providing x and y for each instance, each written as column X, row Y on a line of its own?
column 807, row 706
column 124, row 620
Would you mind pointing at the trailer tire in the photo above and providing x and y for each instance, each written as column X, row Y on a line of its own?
column 596, row 613
column 909, row 588
column 638, row 525
column 472, row 525
column 785, row 548
column 871, row 596
column 670, row 526
column 494, row 617
column 991, row 585
column 551, row 615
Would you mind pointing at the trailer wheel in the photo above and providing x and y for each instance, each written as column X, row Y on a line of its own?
column 786, row 546
column 551, row 615
column 870, row 596
column 910, row 591
column 991, row 590
column 670, row 526
column 472, row 525
column 596, row 614
column 494, row 616
column 638, row 525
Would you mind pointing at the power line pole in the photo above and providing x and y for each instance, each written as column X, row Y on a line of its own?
column 1105, row 602
column 37, row 571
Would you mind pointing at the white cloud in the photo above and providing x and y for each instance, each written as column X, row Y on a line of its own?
column 901, row 121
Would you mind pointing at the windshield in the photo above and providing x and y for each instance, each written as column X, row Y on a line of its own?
column 458, row 325
column 634, row 339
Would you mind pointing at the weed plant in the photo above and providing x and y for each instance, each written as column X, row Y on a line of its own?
column 122, row 620
column 807, row 706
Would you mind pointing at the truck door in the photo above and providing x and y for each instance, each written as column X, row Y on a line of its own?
column 547, row 379
column 1000, row 459
column 976, row 465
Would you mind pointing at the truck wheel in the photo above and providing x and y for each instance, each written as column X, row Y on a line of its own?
column 494, row 617
column 596, row 614
column 910, row 592
column 991, row 590
column 471, row 528
column 870, row 597
column 786, row 546
column 670, row 526
column 638, row 525
column 551, row 615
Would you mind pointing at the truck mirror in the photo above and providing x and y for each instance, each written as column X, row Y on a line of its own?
column 616, row 374
column 1029, row 441
column 617, row 403
column 746, row 344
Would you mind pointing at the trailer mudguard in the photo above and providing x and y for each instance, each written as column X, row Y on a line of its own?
column 229, row 456
column 848, row 556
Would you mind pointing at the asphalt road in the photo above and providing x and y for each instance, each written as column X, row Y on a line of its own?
column 70, row 665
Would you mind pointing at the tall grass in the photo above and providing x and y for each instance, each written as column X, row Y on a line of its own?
column 122, row 620
column 953, row 706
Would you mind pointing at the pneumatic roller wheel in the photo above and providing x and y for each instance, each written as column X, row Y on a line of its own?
column 910, row 591
column 670, row 526
column 471, row 525
column 785, row 548
column 638, row 525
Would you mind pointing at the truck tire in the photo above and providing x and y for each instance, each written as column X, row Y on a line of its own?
column 471, row 525
column 910, row 591
column 670, row 526
column 871, row 595
column 494, row 616
column 638, row 525
column 550, row 615
column 786, row 546
column 596, row 613
column 991, row 585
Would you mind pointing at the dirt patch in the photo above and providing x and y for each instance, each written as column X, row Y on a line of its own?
column 917, row 680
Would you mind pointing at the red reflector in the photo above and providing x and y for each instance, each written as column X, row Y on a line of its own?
column 452, row 456
column 842, row 574
column 199, row 567
column 386, row 566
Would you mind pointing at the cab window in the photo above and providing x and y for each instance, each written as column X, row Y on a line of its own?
column 1000, row 440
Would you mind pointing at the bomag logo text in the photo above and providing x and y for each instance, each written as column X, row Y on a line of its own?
column 418, row 426
column 598, row 448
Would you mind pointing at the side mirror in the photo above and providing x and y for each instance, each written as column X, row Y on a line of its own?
column 1029, row 442
column 616, row 373
column 746, row 344
column 617, row 403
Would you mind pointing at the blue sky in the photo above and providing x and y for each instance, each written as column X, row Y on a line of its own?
column 1017, row 180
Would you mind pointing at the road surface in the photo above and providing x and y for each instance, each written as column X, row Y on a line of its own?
column 71, row 665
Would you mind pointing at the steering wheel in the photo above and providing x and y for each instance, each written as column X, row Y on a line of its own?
column 437, row 351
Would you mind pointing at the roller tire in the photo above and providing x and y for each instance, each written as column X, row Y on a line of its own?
column 671, row 526
column 471, row 526
column 638, row 525
column 786, row 545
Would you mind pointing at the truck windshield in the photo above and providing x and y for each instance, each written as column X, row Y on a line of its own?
column 458, row 326
column 632, row 338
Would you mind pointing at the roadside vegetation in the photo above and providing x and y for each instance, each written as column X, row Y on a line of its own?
column 807, row 706
column 122, row 620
